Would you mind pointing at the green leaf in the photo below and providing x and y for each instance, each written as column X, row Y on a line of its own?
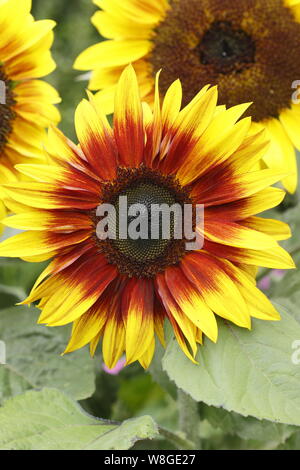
column 250, row 372
column 50, row 420
column 34, row 357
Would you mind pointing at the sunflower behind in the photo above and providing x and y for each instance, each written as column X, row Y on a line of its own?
column 29, row 102
column 250, row 49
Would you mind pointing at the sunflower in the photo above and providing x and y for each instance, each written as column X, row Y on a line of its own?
column 27, row 103
column 249, row 48
column 124, row 289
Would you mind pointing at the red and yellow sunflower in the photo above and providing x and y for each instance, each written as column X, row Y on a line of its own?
column 249, row 48
column 124, row 290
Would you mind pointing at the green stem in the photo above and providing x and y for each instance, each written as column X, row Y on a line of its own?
column 176, row 439
column 188, row 418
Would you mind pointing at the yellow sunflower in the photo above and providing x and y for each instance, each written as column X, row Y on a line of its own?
column 27, row 103
column 249, row 48
column 123, row 289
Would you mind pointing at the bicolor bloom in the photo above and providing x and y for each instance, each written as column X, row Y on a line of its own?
column 26, row 103
column 123, row 290
column 249, row 48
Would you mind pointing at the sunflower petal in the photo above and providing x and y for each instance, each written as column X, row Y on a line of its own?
column 128, row 120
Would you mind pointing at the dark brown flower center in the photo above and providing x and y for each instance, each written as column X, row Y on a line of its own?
column 226, row 49
column 249, row 48
column 146, row 255
column 145, row 195
column 7, row 113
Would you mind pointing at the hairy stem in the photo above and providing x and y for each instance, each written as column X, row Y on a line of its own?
column 176, row 439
